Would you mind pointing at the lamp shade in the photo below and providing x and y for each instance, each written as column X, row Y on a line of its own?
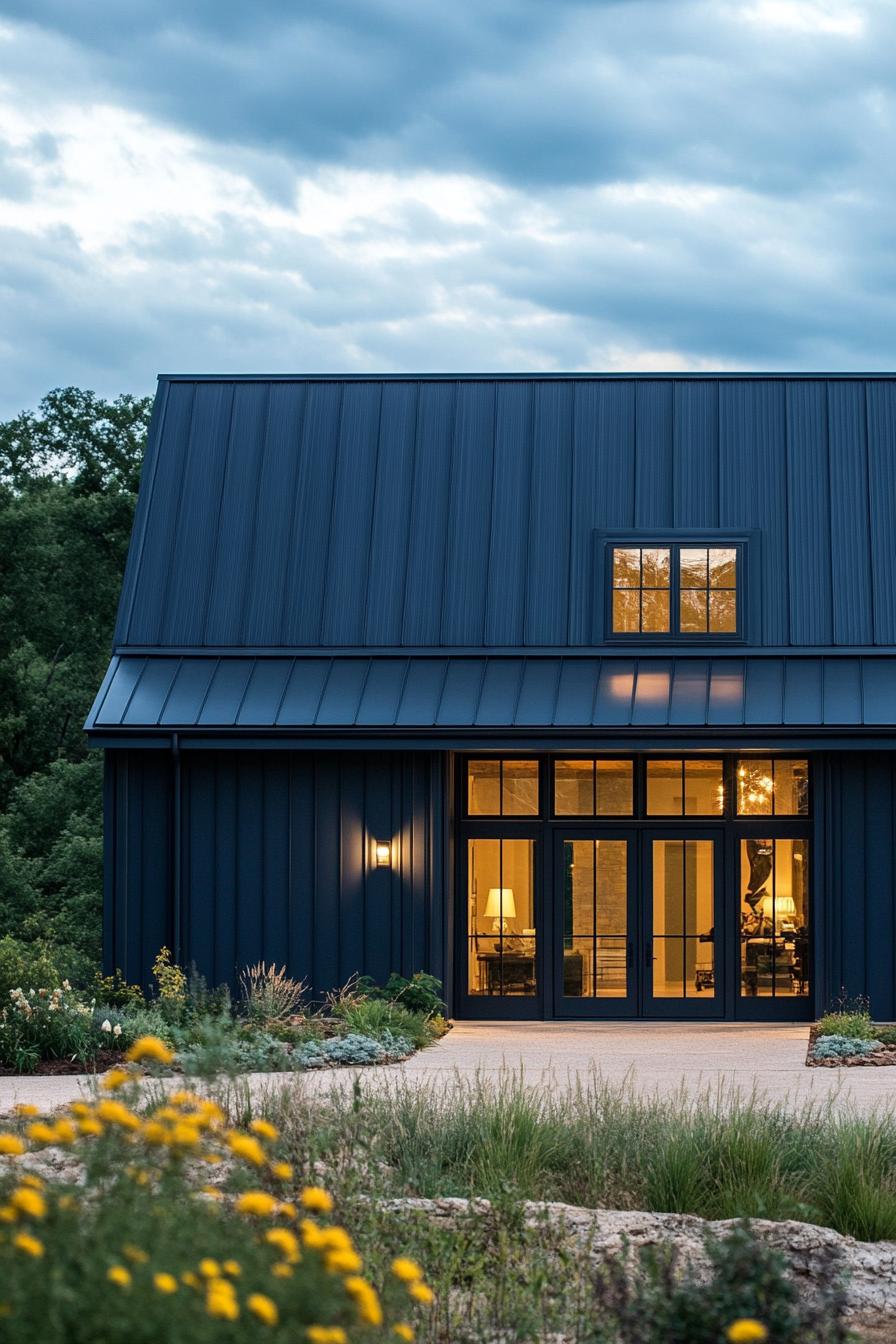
column 784, row 906
column 500, row 904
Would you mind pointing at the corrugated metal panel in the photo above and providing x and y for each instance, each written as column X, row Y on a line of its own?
column 461, row 513
column 497, row 692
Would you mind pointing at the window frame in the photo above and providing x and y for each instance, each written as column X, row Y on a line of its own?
column 744, row 543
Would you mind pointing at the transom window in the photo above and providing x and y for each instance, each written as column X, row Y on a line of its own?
column 502, row 788
column 678, row 590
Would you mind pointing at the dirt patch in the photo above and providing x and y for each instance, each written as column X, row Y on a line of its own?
column 57, row 1068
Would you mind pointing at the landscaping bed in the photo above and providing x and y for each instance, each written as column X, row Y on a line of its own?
column 847, row 1038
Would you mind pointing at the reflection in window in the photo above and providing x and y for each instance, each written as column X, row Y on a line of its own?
column 769, row 787
column 595, row 919
column 641, row 578
column 588, row 788
column 685, row 788
column 774, row 918
column 502, row 788
column 683, row 924
column 708, row 590
column 501, row 920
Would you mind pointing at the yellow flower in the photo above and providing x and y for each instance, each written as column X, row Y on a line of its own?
column 28, row 1201
column 326, row 1334
column 167, row 1113
column 150, row 1047
column 312, row 1235
column 233, row 1268
column 404, row 1331
column 281, row 1270
column 336, row 1239
column 30, row 1245
column 11, row 1145
column 316, row 1200
column 213, row 1159
column 41, row 1132
column 366, row 1299
column 282, row 1170
column 184, row 1135
column 64, row 1131
column 182, row 1098
column 287, row 1210
column 137, row 1176
column 344, row 1262
column 285, row 1241
column 7, row 1214
column 263, row 1308
column 422, row 1292
column 222, row 1307
column 119, row 1275
column 165, row 1283
column 79, row 1108
column 212, row 1191
column 115, row 1078
column 90, row 1126
column 33, row 1181
column 115, row 1113
column 190, row 1279
column 244, row 1145
column 134, row 1254
column 209, row 1268
column 154, row 1133
column 26, row 1108
column 406, row 1270
column 257, row 1202
column 265, row 1129
column 746, row 1331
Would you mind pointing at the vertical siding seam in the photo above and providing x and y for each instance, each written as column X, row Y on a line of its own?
column 217, row 530
column 178, row 514
column 523, row 588
column 290, row 843
column 291, row 529
column 449, row 477
column 412, row 496
column 570, row 516
column 866, row 448
column 253, row 531
column 315, row 867
column 325, row 584
column 785, row 537
column 491, row 517
column 365, row 609
column 139, row 542
column 829, row 539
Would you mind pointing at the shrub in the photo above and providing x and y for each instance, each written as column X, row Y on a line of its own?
column 843, row 1047
column 855, row 1025
column 25, row 966
column 270, row 995
column 374, row 1017
column 144, row 1251
column 352, row 1049
column 115, row 991
column 171, row 980
column 421, row 994
column 46, row 1024
column 217, row 1046
column 886, row 1035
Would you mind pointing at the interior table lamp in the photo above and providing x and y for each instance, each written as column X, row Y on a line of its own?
column 500, row 907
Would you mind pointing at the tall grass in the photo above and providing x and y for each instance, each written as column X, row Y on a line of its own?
column 721, row 1155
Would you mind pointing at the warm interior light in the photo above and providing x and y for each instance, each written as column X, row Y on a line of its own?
column 500, row 907
column 383, row 852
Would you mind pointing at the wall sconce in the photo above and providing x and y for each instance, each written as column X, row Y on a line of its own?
column 382, row 853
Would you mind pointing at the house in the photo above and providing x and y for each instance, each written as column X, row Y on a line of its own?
column 577, row 692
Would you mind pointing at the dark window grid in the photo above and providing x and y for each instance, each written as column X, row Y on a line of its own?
column 675, row 588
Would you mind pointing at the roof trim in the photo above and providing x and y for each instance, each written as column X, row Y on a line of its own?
column 732, row 376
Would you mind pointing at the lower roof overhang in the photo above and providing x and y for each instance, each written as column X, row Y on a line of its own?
column 470, row 701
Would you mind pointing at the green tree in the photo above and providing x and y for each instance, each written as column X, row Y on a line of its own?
column 68, row 480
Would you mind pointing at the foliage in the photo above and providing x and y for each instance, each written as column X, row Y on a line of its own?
column 855, row 1025
column 355, row 1048
column 270, row 994
column 171, row 980
column 217, row 1046
column 886, row 1035
column 656, row 1301
column 25, row 966
column 421, row 994
column 843, row 1047
column 381, row 1017
column 114, row 991
column 46, row 1024
column 145, row 1250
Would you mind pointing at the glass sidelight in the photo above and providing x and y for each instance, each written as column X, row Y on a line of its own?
column 595, row 919
column 682, row 919
column 501, row 955
column 774, row 918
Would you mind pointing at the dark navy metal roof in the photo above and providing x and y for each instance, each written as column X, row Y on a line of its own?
column 309, row 694
column 448, row 511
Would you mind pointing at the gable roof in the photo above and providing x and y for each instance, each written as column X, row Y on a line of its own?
column 460, row 512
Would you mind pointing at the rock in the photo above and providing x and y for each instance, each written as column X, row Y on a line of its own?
column 869, row 1268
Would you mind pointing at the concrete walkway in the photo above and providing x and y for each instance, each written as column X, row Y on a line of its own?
column 661, row 1058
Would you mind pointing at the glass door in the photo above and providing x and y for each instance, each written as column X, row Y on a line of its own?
column 682, row 935
column 594, row 924
column 500, row 963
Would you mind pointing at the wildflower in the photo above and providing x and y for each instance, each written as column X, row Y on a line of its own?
column 404, row 1331
column 30, row 1245
column 41, row 1132
column 285, row 1241
column 184, row 1136
column 221, row 1300
column 64, row 1131
column 11, row 1145
column 212, row 1192
column 209, row 1268
column 366, row 1299
column 406, row 1270
column 312, row 1235
column 115, row 1078
column 263, row 1308
column 79, row 1108
column 28, row 1201
column 7, row 1214
column 165, row 1283
column 282, row 1170
column 182, row 1098
column 281, row 1270
column 746, row 1331
column 264, row 1129
column 33, row 1181
column 326, row 1334
column 336, row 1239
column 422, row 1292
column 316, row 1200
column 257, row 1202
column 90, row 1125
column 135, row 1254
column 106, row 1025
column 233, row 1268
column 119, row 1275
column 25, row 1108
column 150, row 1047
column 137, row 1176
column 244, row 1145
column 287, row 1210
column 344, row 1262
column 190, row 1279
column 117, row 1114
column 155, row 1133
column 116, row 1030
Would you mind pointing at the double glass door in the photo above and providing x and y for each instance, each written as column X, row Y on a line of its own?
column 636, row 925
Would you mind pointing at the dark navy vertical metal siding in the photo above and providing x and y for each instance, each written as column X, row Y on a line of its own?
column 277, row 863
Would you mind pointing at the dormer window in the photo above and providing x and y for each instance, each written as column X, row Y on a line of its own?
column 675, row 590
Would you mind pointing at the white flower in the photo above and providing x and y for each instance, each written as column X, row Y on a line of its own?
column 116, row 1030
column 106, row 1026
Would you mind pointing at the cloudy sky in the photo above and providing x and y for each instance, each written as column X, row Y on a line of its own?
column 285, row 185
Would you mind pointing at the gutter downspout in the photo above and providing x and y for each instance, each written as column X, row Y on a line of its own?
column 176, row 851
